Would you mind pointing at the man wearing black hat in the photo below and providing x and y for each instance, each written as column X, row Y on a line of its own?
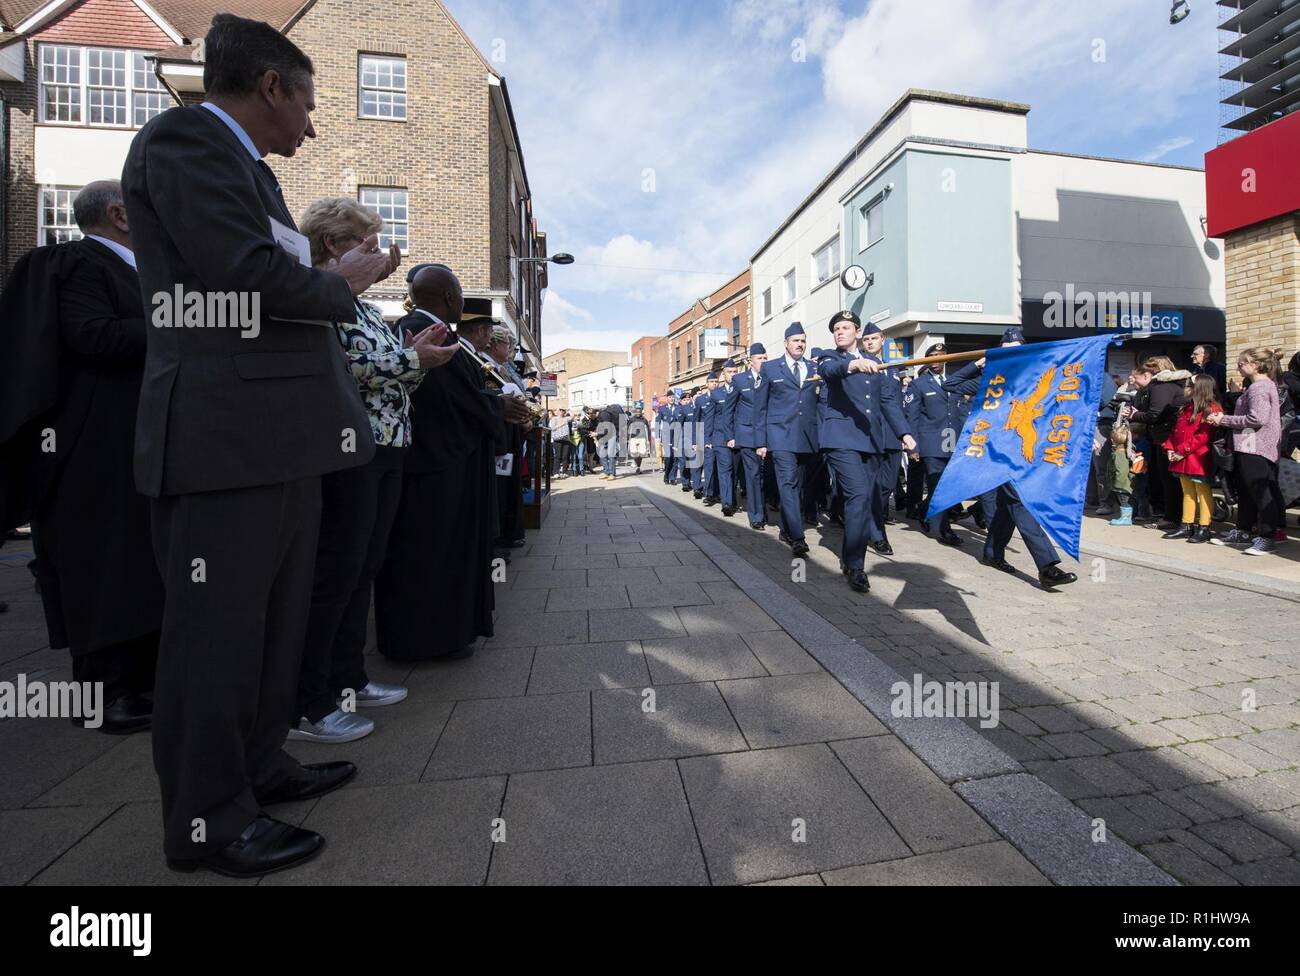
column 860, row 414
column 1002, row 508
column 724, row 397
column 889, row 446
column 745, row 433
column 936, row 416
column 787, row 429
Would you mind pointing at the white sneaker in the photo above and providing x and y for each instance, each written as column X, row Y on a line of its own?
column 376, row 693
column 338, row 726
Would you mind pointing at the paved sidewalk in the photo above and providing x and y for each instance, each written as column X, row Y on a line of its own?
column 1126, row 692
column 759, row 762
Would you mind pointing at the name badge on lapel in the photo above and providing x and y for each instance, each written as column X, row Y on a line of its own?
column 293, row 242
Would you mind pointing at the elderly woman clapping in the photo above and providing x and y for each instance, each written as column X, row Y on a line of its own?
column 357, row 504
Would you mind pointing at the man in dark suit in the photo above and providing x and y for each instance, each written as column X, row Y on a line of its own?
column 71, row 375
column 787, row 429
column 936, row 416
column 750, row 388
column 235, row 428
column 860, row 414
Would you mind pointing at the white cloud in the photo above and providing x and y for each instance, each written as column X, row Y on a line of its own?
column 560, row 313
column 1168, row 146
column 616, row 340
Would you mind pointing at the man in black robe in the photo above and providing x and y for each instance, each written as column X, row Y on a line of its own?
column 74, row 330
column 440, row 550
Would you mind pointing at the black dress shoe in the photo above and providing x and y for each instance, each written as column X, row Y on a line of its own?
column 1182, row 532
column 784, row 538
column 858, row 580
column 997, row 563
column 883, row 547
column 758, row 527
column 710, row 502
column 308, row 781
column 925, row 526
column 809, row 523
column 1054, row 575
column 130, row 713
column 950, row 538
column 799, row 549
column 834, row 519
column 844, row 569
column 516, row 543
column 980, row 522
column 699, row 493
column 687, row 488
column 1200, row 534
column 266, row 845
column 728, row 511
column 957, row 513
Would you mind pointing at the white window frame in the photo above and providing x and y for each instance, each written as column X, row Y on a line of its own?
column 82, row 87
column 767, row 303
column 877, row 203
column 514, row 274
column 63, row 231
column 386, row 233
column 832, row 248
column 790, row 288
column 395, row 93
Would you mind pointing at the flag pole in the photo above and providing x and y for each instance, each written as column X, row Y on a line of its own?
column 956, row 357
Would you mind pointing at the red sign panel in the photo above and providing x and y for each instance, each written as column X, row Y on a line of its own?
column 1253, row 178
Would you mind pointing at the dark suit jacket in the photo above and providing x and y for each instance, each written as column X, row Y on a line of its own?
column 451, row 413
column 220, row 410
column 932, row 411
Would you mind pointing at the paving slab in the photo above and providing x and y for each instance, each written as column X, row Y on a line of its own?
column 34, row 838
column 491, row 672
column 577, row 667
column 996, row 863
column 636, row 624
column 627, row 824
column 687, row 659
column 687, row 720
column 775, row 813
column 509, row 735
column 417, row 834
column 791, row 709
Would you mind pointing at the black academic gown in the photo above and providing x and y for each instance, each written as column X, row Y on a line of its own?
column 434, row 596
column 90, row 528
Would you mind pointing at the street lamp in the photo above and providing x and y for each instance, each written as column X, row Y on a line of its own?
column 560, row 258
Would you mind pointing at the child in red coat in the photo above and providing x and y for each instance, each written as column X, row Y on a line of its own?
column 1188, row 449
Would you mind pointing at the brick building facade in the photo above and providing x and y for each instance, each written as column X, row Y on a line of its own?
column 728, row 308
column 649, row 369
column 568, row 363
column 411, row 119
column 1263, row 277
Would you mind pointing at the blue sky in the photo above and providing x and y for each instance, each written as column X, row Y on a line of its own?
column 666, row 139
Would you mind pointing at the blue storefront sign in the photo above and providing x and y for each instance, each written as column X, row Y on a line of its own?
column 1158, row 321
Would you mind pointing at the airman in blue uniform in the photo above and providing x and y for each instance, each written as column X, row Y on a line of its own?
column 890, row 448
column 750, row 386
column 936, row 417
column 786, row 428
column 708, row 421
column 725, row 397
column 860, row 415
column 664, row 431
column 688, row 466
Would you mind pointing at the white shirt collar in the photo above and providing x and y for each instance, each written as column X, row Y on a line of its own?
column 790, row 361
column 436, row 320
column 235, row 127
column 123, row 252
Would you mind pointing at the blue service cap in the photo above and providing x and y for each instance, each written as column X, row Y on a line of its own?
column 729, row 364
column 1013, row 334
column 677, row 391
column 871, row 329
column 757, row 349
column 714, row 375
column 794, row 329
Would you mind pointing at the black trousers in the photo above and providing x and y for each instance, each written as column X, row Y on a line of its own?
column 357, row 510
column 125, row 668
column 237, row 570
column 1257, row 511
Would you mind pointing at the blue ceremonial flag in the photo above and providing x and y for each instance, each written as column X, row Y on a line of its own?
column 1031, row 424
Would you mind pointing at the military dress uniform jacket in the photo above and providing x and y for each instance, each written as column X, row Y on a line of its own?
column 859, row 411
column 787, row 412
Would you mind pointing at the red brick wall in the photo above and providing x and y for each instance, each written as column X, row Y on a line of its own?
column 111, row 23
column 652, row 375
